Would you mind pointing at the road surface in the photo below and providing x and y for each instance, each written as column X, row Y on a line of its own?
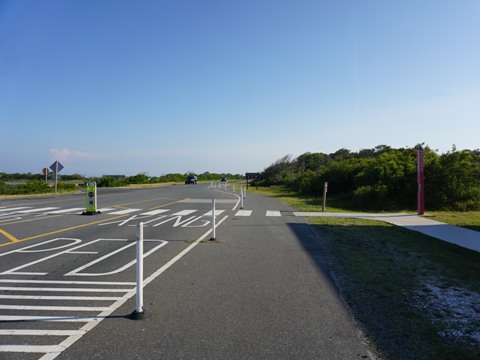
column 260, row 290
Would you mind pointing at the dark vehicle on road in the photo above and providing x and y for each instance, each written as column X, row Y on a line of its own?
column 223, row 180
column 191, row 180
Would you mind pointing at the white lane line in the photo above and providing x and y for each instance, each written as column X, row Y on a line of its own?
column 37, row 210
column 154, row 212
column 13, row 288
column 63, row 211
column 184, row 212
column 243, row 213
column 73, row 298
column 217, row 212
column 16, row 208
column 123, row 212
column 67, row 282
column 10, row 218
column 53, row 308
column 42, row 349
column 273, row 213
column 85, row 319
column 41, row 332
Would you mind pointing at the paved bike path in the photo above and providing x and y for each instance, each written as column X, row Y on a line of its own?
column 259, row 291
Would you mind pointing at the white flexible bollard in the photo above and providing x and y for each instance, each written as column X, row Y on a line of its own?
column 213, row 220
column 241, row 197
column 139, row 312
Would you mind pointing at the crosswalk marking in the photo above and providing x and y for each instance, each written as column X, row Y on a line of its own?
column 209, row 201
column 116, row 211
column 64, row 211
column 123, row 212
column 105, row 209
column 217, row 212
column 7, row 288
column 27, row 332
column 46, row 318
column 37, row 349
column 53, row 308
column 154, row 212
column 273, row 213
column 37, row 210
column 184, row 212
column 243, row 213
column 15, row 208
column 50, row 297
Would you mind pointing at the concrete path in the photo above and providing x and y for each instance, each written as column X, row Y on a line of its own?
column 466, row 238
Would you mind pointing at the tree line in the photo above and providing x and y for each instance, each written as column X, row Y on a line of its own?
column 143, row 178
column 383, row 178
column 35, row 183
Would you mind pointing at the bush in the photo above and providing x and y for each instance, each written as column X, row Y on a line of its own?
column 31, row 187
column 372, row 197
column 62, row 186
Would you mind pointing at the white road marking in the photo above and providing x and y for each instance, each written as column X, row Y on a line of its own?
column 49, row 318
column 64, row 282
column 105, row 209
column 209, row 201
column 243, row 213
column 53, row 308
column 154, row 212
column 63, row 211
column 50, row 352
column 16, row 208
column 123, row 212
column 273, row 213
column 31, row 348
column 78, row 272
column 10, row 218
column 37, row 210
column 184, row 212
column 217, row 212
column 73, row 298
column 93, row 290
column 41, row 332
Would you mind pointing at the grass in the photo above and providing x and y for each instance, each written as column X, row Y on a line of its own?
column 467, row 219
column 301, row 203
column 415, row 297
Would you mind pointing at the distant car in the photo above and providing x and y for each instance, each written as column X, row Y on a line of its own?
column 191, row 180
column 224, row 180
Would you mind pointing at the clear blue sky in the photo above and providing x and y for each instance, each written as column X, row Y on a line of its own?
column 123, row 87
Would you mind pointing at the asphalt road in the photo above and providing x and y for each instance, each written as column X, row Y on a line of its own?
column 260, row 290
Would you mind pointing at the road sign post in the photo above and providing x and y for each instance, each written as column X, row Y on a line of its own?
column 45, row 172
column 91, row 205
column 56, row 168
column 252, row 176
column 325, row 188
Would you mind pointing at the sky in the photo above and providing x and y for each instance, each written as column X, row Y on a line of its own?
column 231, row 86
